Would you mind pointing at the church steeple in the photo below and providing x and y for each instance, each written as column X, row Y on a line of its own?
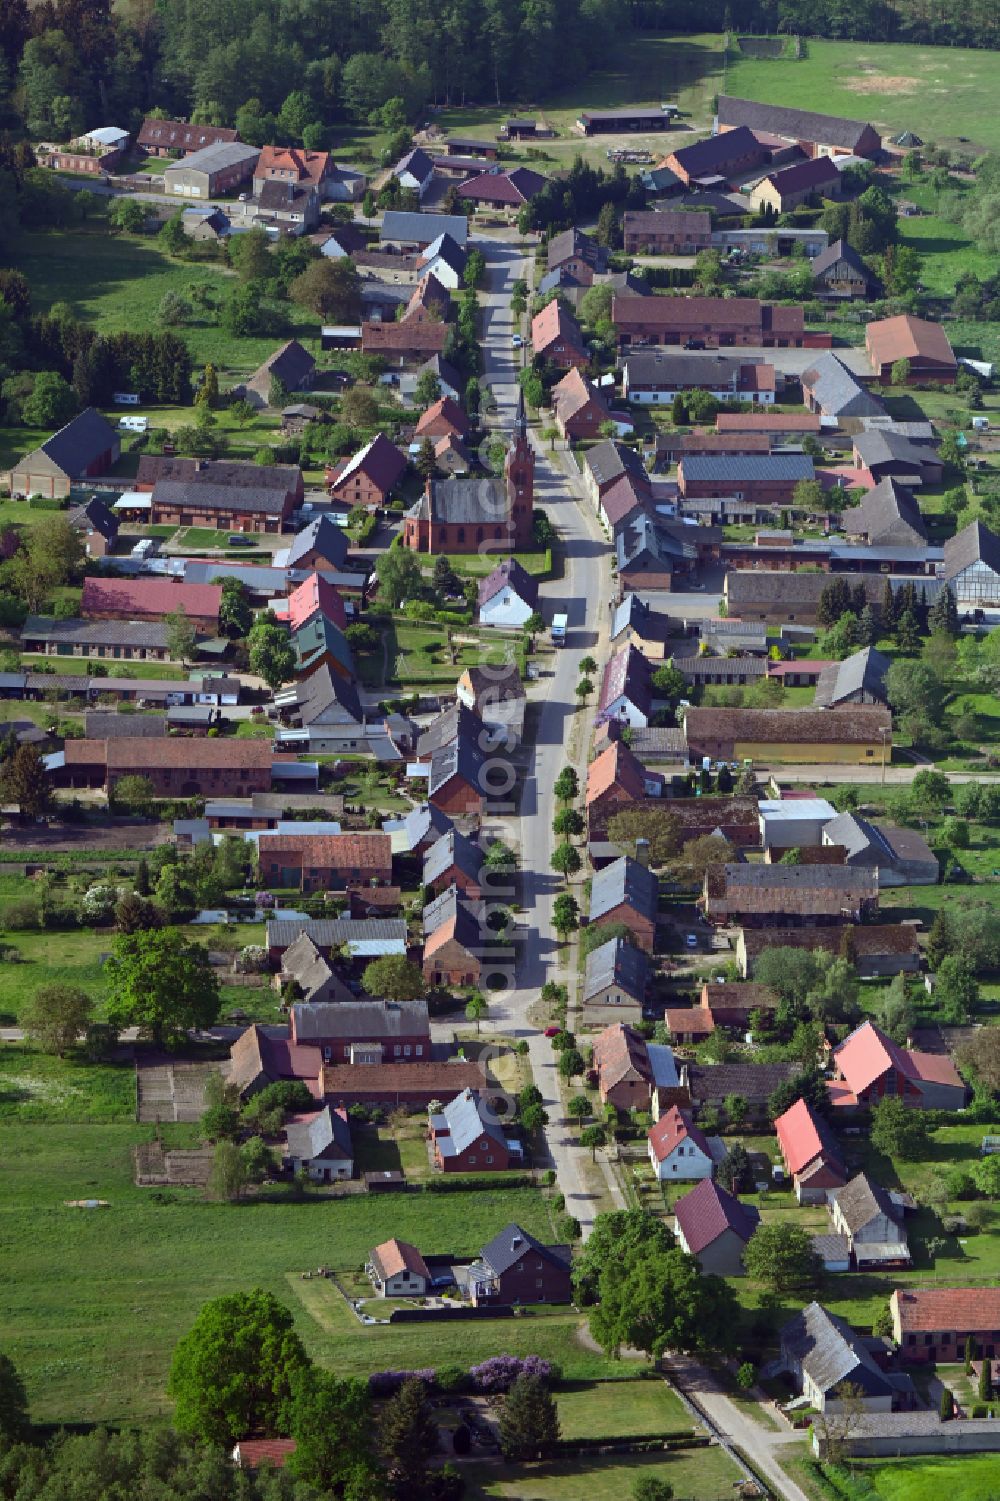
column 521, row 420
column 520, row 475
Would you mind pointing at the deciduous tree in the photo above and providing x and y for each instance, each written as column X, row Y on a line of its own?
column 56, row 1015
column 781, row 1256
column 394, row 978
column 161, row 983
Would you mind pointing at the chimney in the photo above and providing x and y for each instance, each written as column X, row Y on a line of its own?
column 642, row 852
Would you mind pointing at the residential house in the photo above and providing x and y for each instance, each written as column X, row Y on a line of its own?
column 368, row 1031
column 577, row 255
column 858, row 736
column 814, row 134
column 165, row 138
column 417, row 831
column 496, row 694
column 627, row 892
column 714, row 321
column 933, row 1324
column 678, row 1149
column 578, row 408
column 227, row 494
column 445, row 259
column 174, row 767
column 615, row 983
column 839, row 272
column 397, row 1270
column 414, row 171
column 732, row 1004
column 880, row 949
column 769, row 479
column 880, row 454
column 655, row 377
column 888, row 516
column 321, row 643
column 457, row 782
column 972, row 567
column 869, row 1067
column 793, row 822
column 824, row 1356
column 444, row 417
column 924, row 346
column 369, row 477
column 151, row 599
column 710, row 1084
column 556, row 337
column 453, row 941
column 211, row 172
column 617, row 779
column 898, row 857
column 629, row 501
column 866, row 1216
column 315, row 596
column 97, row 526
column 508, row 596
column 256, row 1060
column 858, row 679
column 715, row 1228
column 608, row 462
column 635, row 623
column 285, row 207
column 761, row 895
column 802, row 182
column 829, row 389
column 410, row 341
column 515, row 1268
column 86, row 446
column 291, row 367
column 460, row 515
column 511, row 188
column 627, row 688
column 206, row 225
column 718, row 160
column 340, row 241
column 321, row 544
column 314, row 979
column 632, row 1072
column 666, row 232
column 430, row 302
column 456, row 722
column 660, row 555
column 454, row 860
column 415, row 231
column 319, row 1144
column 468, row 1136
column 321, row 862
column 809, row 1151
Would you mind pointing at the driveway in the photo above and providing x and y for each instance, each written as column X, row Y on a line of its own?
column 582, row 593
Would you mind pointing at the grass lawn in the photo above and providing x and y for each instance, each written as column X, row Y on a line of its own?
column 965, row 1477
column 695, row 1474
column 617, row 1409
column 118, row 282
column 71, row 665
column 41, row 1090
column 94, row 1302
column 478, row 565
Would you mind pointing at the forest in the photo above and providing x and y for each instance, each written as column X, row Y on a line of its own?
column 935, row 22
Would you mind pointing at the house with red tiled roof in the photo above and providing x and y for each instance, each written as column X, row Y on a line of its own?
column 810, row 1153
column 925, row 347
column 453, row 940
column 407, row 342
column 295, row 165
column 315, row 596
column 871, row 1067
column 151, row 599
column 430, row 302
column 579, row 409
column 321, row 862
column 444, row 417
column 397, row 1270
column 256, row 1060
column 715, row 1228
column 631, row 1071
column 369, row 477
column 732, row 1003
column 175, row 767
column 934, row 1323
column 688, row 1025
column 556, row 336
column 678, row 1149
column 616, row 779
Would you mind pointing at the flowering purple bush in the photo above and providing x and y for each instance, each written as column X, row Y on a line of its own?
column 499, row 1373
column 387, row 1383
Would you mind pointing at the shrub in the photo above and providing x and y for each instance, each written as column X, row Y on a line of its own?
column 453, row 1378
column 22, row 914
column 388, row 1383
column 252, row 959
column 499, row 1373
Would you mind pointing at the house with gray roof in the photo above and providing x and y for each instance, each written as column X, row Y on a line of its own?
column 121, row 640
column 456, row 722
column 626, row 892
column 415, row 231
column 417, row 831
column 515, row 1268
column 606, row 462
column 828, row 135
column 866, row 1216
column 85, row 447
column 212, row 171
column 888, row 516
column 858, row 679
column 634, row 622
column 311, row 973
column 839, row 272
column 364, row 938
column 886, row 454
column 320, row 544
column 319, row 1144
column 615, row 983
column 98, row 526
column 378, row 1030
column 822, row 1353
column 323, row 699
column 468, row 1136
column 455, row 784
column 830, row 389
column 899, row 857
column 454, row 860
column 291, row 365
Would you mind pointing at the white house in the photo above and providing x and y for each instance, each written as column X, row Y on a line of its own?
column 626, row 689
column 508, row 596
column 397, row 1270
column 677, row 1149
column 415, row 170
column 320, row 1144
column 445, row 259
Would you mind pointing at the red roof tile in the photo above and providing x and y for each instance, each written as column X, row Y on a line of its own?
column 671, row 1129
column 802, row 1137
column 315, row 594
column 616, row 766
column 149, row 598
column 126, row 753
column 554, row 324
column 336, row 851
column 708, row 1211
column 932, row 1309
column 445, row 415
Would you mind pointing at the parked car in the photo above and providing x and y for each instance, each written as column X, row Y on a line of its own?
column 552, row 1031
column 517, row 341
column 237, row 539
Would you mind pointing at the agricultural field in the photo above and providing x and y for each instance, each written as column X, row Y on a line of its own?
column 94, row 1302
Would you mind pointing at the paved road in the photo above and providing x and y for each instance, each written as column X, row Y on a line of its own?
column 762, row 1446
column 582, row 594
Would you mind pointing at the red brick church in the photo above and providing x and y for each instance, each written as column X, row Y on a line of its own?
column 469, row 514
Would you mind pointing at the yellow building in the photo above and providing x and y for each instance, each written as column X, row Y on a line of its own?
column 855, row 735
